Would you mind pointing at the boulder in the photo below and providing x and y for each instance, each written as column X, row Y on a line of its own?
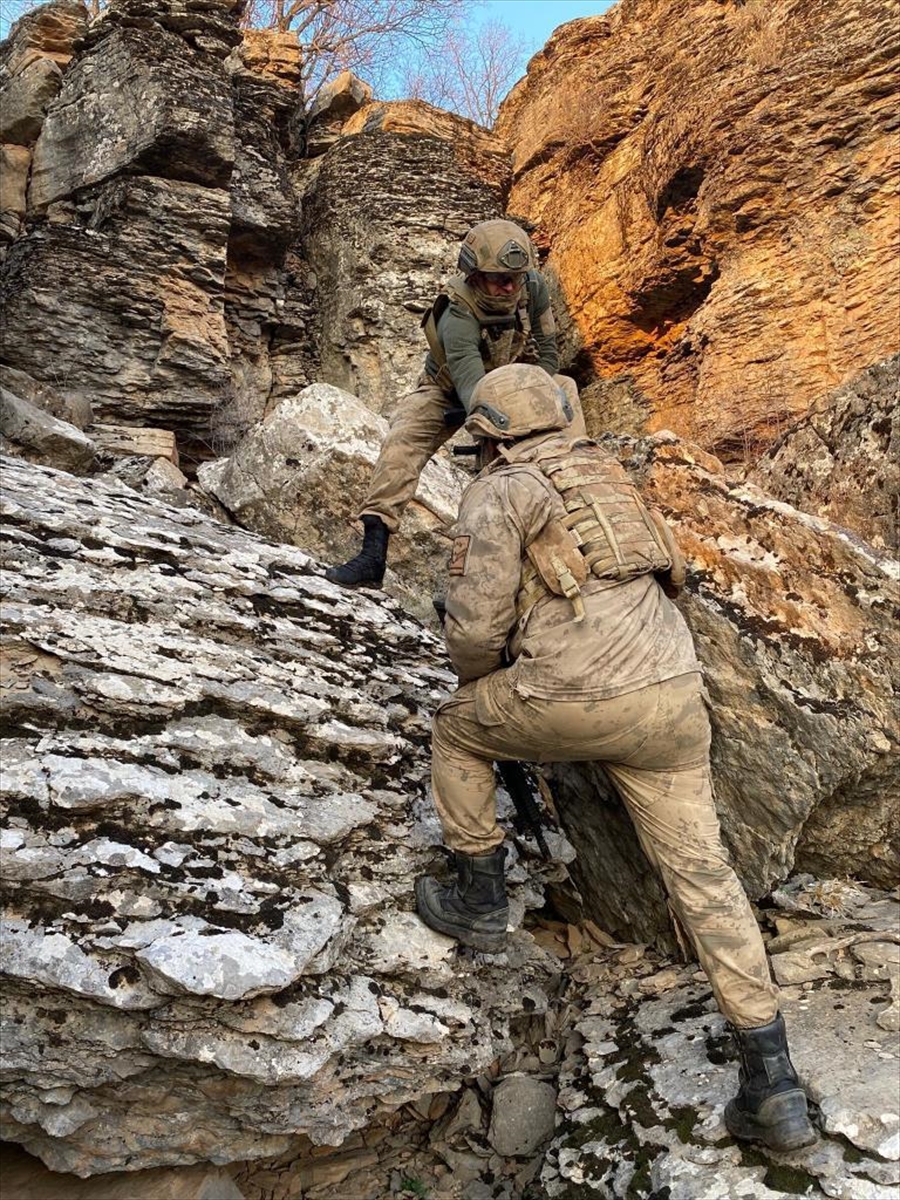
column 273, row 54
column 332, row 105
column 25, row 97
column 32, row 61
column 139, row 98
column 215, row 769
column 795, row 625
column 301, row 477
column 76, row 411
column 40, row 437
column 523, row 1115
column 715, row 184
column 842, row 461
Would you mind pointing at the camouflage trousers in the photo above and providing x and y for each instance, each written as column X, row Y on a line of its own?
column 654, row 743
column 416, row 431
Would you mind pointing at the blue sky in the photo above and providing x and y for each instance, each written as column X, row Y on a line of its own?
column 535, row 20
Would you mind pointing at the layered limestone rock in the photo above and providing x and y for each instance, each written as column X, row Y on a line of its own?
column 183, row 267
column 130, row 305
column 795, row 623
column 384, row 212
column 215, row 770
column 716, row 185
column 115, row 292
column 32, row 61
column 642, row 1096
column 301, row 477
column 842, row 461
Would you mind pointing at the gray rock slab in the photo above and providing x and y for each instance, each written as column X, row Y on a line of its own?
column 210, row 938
column 42, row 437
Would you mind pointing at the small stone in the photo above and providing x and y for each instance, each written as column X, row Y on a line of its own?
column 523, row 1115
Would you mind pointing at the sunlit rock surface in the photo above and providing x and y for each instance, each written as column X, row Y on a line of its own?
column 842, row 461
column 795, row 623
column 715, row 182
column 641, row 1100
column 215, row 768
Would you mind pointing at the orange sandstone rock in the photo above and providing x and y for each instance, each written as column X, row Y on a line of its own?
column 716, row 182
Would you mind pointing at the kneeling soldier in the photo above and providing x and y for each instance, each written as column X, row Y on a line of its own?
column 568, row 648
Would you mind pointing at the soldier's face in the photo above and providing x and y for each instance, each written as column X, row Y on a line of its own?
column 506, row 283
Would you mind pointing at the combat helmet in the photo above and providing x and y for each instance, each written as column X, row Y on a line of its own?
column 516, row 400
column 496, row 247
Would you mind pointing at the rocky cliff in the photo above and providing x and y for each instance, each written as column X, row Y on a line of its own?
column 215, row 763
column 716, row 184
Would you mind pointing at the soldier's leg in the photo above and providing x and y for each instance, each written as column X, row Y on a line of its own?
column 488, row 720
column 463, row 752
column 676, row 821
column 667, row 789
column 416, row 431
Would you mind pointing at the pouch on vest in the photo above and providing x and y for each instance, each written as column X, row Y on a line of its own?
column 560, row 567
column 613, row 532
column 429, row 324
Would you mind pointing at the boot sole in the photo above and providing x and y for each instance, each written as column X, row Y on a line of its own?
column 355, row 583
column 782, row 1123
column 487, row 943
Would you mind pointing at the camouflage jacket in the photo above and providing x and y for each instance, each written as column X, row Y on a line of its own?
column 631, row 634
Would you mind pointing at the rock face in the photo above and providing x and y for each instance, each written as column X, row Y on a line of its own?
column 842, row 461
column 301, row 477
column 182, row 264
column 214, row 774
column 714, row 183
column 32, row 62
column 795, row 623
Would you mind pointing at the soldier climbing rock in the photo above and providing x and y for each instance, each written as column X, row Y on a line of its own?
column 494, row 312
column 568, row 648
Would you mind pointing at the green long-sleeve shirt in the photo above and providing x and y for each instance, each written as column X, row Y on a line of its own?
column 460, row 334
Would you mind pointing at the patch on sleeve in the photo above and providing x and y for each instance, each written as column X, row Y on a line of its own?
column 459, row 555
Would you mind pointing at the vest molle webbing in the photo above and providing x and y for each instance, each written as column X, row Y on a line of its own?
column 607, row 527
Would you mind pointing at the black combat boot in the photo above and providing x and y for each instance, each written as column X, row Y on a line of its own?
column 473, row 909
column 368, row 565
column 770, row 1106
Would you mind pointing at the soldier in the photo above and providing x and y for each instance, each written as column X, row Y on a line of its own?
column 496, row 311
column 568, row 648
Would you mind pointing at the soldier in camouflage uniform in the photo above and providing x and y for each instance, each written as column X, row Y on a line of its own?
column 496, row 311
column 568, row 648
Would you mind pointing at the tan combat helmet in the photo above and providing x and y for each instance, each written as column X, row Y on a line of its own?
column 497, row 247
column 516, row 400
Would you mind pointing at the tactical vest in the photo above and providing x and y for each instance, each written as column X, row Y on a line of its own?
column 504, row 339
column 607, row 532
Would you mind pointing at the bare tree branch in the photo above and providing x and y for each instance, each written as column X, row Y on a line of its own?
column 469, row 72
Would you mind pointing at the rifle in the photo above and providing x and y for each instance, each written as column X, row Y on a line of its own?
column 514, row 778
